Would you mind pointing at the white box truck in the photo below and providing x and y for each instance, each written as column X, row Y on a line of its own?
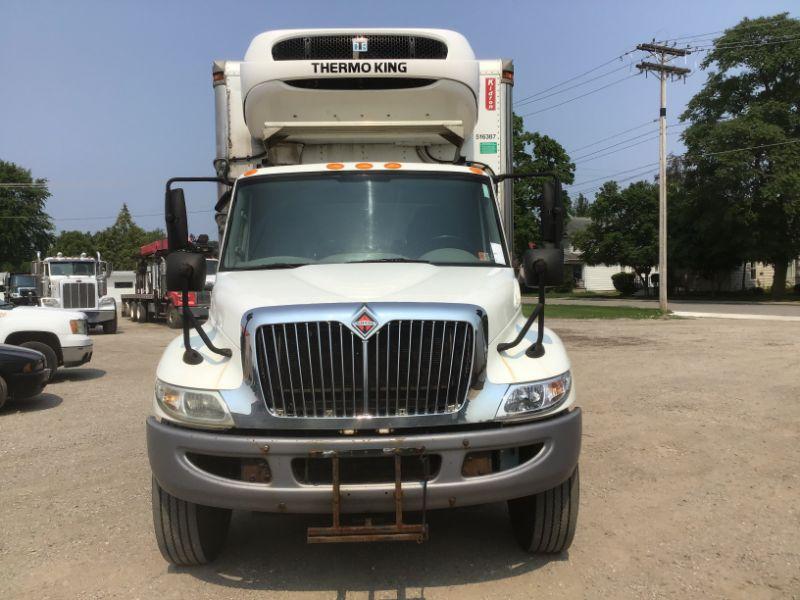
column 365, row 351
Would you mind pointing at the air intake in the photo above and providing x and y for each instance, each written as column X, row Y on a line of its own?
column 341, row 46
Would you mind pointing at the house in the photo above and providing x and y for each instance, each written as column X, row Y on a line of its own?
column 592, row 278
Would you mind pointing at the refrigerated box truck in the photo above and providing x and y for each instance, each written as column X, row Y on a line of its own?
column 365, row 351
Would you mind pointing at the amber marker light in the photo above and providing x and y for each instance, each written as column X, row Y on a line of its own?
column 392, row 165
column 250, row 172
column 335, row 166
column 476, row 170
column 363, row 165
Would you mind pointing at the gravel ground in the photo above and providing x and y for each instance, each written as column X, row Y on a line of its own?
column 689, row 476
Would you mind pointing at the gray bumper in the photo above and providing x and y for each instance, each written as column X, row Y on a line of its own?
column 199, row 312
column 77, row 355
column 95, row 317
column 167, row 446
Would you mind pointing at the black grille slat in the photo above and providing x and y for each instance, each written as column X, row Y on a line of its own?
column 331, row 47
column 316, row 369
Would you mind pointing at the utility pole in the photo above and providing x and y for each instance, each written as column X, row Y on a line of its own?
column 664, row 54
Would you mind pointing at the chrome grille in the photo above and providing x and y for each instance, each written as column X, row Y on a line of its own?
column 78, row 295
column 322, row 47
column 323, row 369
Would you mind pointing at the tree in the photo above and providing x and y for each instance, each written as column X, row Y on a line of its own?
column 118, row 244
column 581, row 206
column 742, row 151
column 26, row 227
column 624, row 228
column 534, row 152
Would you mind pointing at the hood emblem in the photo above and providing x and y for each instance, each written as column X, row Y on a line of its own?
column 364, row 323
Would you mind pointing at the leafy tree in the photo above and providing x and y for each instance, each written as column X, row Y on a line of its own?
column 120, row 243
column 624, row 228
column 742, row 152
column 581, row 206
column 26, row 227
column 73, row 243
column 534, row 152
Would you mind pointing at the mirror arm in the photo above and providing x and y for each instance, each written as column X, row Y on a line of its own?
column 537, row 348
column 190, row 355
column 532, row 175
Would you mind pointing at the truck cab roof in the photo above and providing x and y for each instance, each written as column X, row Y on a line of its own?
column 365, row 166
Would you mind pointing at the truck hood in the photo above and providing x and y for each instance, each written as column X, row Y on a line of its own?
column 494, row 289
column 48, row 310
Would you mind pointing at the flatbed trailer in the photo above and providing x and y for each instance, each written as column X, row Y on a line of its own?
column 152, row 300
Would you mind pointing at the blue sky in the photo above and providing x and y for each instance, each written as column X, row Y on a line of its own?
column 109, row 99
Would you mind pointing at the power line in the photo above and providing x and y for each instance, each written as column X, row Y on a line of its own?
column 608, row 85
column 561, row 91
column 611, row 137
column 589, row 157
column 592, row 70
column 710, row 47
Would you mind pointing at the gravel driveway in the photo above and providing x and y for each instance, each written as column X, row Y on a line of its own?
column 690, row 476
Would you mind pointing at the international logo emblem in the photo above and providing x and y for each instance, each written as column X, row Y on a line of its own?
column 365, row 323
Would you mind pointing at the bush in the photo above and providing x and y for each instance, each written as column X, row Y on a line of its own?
column 797, row 288
column 624, row 283
column 757, row 291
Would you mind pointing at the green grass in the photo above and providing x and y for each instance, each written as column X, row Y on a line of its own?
column 563, row 311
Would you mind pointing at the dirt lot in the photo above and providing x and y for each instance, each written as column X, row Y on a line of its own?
column 690, row 479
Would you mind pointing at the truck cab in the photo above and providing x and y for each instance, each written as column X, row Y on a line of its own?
column 365, row 350
column 77, row 283
column 20, row 289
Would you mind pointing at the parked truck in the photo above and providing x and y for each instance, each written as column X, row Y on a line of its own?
column 153, row 299
column 20, row 289
column 77, row 283
column 365, row 350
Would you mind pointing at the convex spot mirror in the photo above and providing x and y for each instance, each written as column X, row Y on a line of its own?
column 186, row 271
column 543, row 266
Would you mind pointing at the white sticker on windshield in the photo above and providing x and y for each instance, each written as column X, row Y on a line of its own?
column 485, row 190
column 497, row 251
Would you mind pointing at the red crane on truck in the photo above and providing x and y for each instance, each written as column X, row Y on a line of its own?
column 152, row 300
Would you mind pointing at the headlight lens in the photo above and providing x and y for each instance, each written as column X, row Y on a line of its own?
column 51, row 302
column 193, row 407
column 78, row 326
column 525, row 399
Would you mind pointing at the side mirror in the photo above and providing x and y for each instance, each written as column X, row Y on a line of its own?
column 175, row 216
column 552, row 212
column 543, row 266
column 186, row 271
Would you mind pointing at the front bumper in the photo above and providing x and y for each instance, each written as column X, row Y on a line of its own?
column 75, row 356
column 167, row 446
column 199, row 312
column 95, row 317
column 27, row 385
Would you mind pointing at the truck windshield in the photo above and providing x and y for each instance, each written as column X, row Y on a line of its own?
column 288, row 221
column 72, row 268
column 20, row 281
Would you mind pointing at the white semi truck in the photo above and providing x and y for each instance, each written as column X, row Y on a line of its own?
column 77, row 283
column 365, row 350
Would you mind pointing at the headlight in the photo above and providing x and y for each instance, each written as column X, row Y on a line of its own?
column 51, row 302
column 78, row 326
column 193, row 407
column 525, row 399
column 107, row 302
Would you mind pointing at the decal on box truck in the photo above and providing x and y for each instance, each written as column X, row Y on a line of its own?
column 360, row 67
column 491, row 93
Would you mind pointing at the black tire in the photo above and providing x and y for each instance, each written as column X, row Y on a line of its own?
column 188, row 534
column 174, row 318
column 131, row 311
column 50, row 356
column 110, row 326
column 141, row 314
column 123, row 309
column 545, row 523
column 3, row 392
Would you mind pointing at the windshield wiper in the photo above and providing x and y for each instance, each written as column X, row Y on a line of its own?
column 282, row 266
column 388, row 260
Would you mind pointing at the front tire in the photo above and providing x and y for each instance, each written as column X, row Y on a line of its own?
column 174, row 318
column 188, row 534
column 50, row 357
column 110, row 326
column 545, row 523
